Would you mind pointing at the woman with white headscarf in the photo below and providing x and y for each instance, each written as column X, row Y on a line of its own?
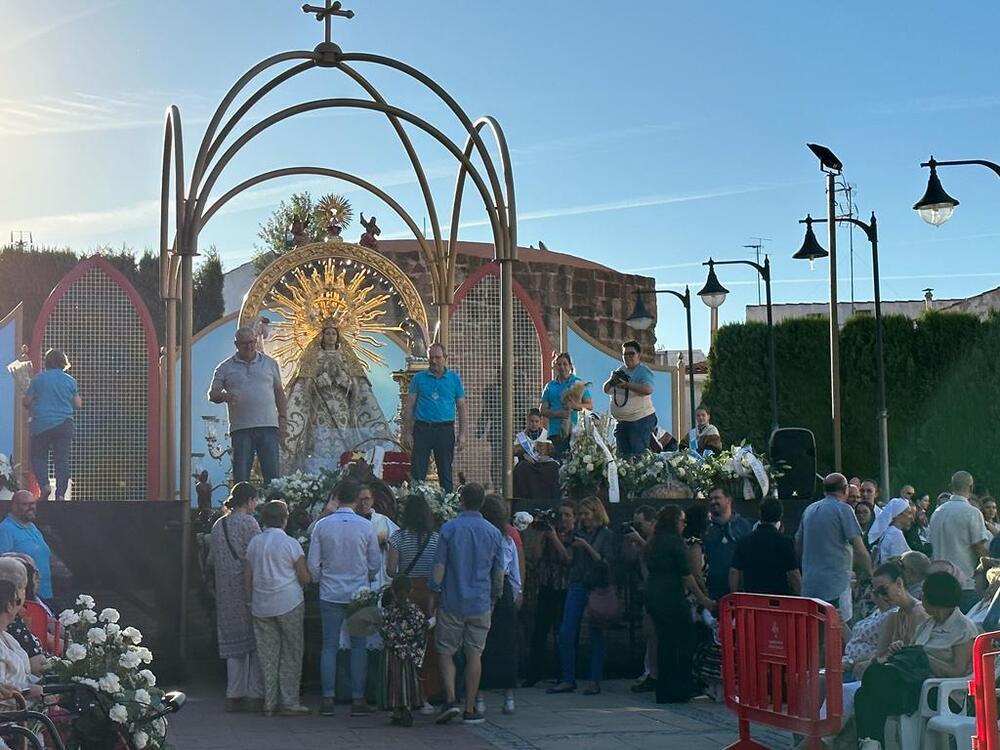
column 886, row 534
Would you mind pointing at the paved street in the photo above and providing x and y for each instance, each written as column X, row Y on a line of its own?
column 615, row 720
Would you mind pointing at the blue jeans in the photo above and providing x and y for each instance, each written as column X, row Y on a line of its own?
column 438, row 437
column 569, row 631
column 260, row 440
column 633, row 437
column 59, row 440
column 332, row 616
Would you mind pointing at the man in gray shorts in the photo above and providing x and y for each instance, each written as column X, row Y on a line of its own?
column 467, row 575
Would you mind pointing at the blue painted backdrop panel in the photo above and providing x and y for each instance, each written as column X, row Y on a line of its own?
column 595, row 365
column 216, row 346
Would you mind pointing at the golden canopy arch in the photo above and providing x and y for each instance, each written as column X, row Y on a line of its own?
column 256, row 298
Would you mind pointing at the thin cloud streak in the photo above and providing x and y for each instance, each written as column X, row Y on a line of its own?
column 60, row 19
column 842, row 279
column 146, row 213
column 619, row 205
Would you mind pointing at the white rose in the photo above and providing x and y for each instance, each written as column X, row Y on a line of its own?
column 141, row 696
column 86, row 601
column 159, row 727
column 88, row 616
column 112, row 629
column 109, row 615
column 148, row 676
column 76, row 652
column 97, row 635
column 110, row 683
column 140, row 739
column 68, row 617
column 130, row 659
column 93, row 684
column 145, row 654
column 118, row 713
column 133, row 635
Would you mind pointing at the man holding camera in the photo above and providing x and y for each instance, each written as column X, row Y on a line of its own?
column 554, row 555
column 635, row 538
column 631, row 391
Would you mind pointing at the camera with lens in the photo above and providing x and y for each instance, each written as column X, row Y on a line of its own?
column 619, row 377
column 628, row 528
column 545, row 519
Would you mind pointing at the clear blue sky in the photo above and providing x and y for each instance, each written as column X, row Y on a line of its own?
column 646, row 135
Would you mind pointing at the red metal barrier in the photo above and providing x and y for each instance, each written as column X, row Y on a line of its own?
column 771, row 665
column 982, row 688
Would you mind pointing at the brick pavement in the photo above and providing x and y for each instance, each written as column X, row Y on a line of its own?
column 615, row 720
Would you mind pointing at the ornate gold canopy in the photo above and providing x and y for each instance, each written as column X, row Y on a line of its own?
column 354, row 288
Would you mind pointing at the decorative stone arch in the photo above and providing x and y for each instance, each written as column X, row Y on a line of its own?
column 474, row 353
column 99, row 319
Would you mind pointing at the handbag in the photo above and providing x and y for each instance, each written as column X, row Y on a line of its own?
column 603, row 607
column 387, row 594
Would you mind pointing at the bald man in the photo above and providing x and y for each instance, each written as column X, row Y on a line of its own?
column 249, row 384
column 18, row 533
column 827, row 538
column 958, row 534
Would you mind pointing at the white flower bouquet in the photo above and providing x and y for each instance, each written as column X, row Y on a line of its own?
column 363, row 615
column 443, row 506
column 583, row 471
column 108, row 658
column 745, row 474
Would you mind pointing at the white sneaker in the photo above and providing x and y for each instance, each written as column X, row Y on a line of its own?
column 427, row 710
column 508, row 705
column 869, row 744
column 480, row 705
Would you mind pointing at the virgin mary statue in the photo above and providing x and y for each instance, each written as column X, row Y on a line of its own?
column 331, row 406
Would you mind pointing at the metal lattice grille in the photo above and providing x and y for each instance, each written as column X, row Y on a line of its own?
column 98, row 327
column 475, row 355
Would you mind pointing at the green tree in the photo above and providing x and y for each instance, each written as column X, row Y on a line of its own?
column 28, row 275
column 273, row 232
column 209, row 305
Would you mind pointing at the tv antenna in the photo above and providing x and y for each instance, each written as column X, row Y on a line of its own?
column 19, row 243
column 756, row 246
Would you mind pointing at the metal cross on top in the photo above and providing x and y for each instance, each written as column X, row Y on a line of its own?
column 326, row 14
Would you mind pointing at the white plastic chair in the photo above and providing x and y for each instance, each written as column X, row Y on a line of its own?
column 945, row 722
column 907, row 732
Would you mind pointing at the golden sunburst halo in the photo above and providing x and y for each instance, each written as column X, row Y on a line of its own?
column 321, row 293
column 333, row 209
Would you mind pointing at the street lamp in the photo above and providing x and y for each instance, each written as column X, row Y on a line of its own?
column 831, row 166
column 714, row 294
column 641, row 320
column 811, row 250
column 936, row 206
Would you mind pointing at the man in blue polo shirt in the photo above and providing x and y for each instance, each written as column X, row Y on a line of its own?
column 435, row 395
column 18, row 533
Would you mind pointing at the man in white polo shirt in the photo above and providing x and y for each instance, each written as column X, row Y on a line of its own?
column 958, row 534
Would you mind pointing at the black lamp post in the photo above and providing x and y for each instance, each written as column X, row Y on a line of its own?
column 714, row 294
column 936, row 206
column 812, row 250
column 641, row 320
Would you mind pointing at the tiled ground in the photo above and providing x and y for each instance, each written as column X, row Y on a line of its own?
column 615, row 720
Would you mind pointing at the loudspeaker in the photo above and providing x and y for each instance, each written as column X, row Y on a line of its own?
column 793, row 452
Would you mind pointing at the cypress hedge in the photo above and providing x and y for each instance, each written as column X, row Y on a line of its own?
column 942, row 393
